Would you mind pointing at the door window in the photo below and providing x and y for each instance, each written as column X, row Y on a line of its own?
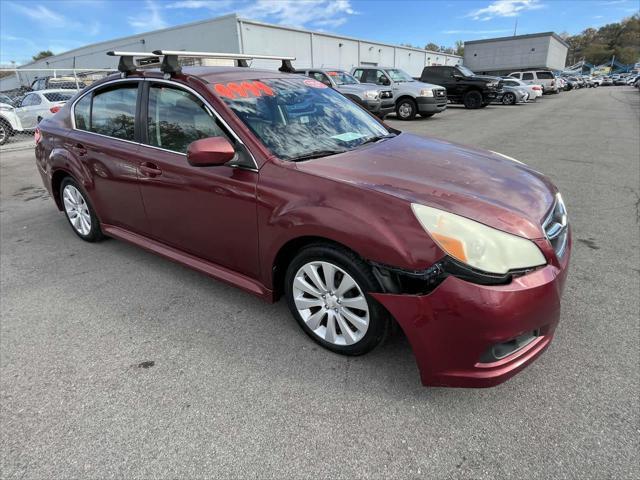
column 114, row 112
column 527, row 76
column 515, row 75
column 545, row 75
column 177, row 118
column 31, row 99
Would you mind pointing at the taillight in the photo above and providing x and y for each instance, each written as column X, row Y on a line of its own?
column 55, row 109
column 37, row 136
column 537, row 88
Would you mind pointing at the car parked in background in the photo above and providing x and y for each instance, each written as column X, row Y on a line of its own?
column 512, row 95
column 37, row 105
column 57, row 83
column 411, row 96
column 279, row 185
column 378, row 100
column 535, row 91
column 9, row 121
column 464, row 86
column 607, row 81
column 540, row 77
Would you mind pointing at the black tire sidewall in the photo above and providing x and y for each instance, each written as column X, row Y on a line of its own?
column 350, row 263
column 472, row 99
column 511, row 98
column 95, row 233
column 7, row 132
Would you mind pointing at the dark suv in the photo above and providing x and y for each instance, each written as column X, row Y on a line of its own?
column 464, row 86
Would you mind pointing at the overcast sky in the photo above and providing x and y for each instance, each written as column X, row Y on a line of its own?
column 27, row 27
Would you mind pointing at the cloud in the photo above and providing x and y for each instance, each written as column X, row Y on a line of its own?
column 41, row 14
column 149, row 20
column 474, row 32
column 301, row 13
column 504, row 8
column 197, row 4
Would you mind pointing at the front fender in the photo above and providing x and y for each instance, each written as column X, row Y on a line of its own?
column 378, row 227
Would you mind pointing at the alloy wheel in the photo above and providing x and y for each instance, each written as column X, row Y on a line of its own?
column 331, row 303
column 77, row 210
column 405, row 110
column 3, row 133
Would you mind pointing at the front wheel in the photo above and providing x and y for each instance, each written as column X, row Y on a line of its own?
column 5, row 132
column 326, row 289
column 406, row 109
column 79, row 211
column 472, row 99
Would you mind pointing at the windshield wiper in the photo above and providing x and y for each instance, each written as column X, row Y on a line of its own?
column 316, row 154
column 377, row 138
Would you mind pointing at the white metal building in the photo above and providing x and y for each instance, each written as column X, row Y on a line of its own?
column 233, row 34
column 507, row 54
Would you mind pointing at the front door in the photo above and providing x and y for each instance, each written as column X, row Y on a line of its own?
column 209, row 212
column 28, row 109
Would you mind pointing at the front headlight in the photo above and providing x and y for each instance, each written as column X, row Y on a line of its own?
column 426, row 92
column 371, row 94
column 476, row 244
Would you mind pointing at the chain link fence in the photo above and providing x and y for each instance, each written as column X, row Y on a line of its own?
column 29, row 95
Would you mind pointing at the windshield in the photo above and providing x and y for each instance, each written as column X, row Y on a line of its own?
column 465, row 71
column 398, row 75
column 298, row 117
column 342, row 78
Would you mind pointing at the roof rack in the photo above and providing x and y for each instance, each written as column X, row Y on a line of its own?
column 127, row 64
column 170, row 65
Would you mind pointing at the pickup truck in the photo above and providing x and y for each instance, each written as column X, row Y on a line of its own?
column 411, row 96
column 464, row 86
column 376, row 100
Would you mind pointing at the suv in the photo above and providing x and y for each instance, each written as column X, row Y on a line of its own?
column 411, row 97
column 464, row 86
column 378, row 101
column 541, row 77
column 279, row 185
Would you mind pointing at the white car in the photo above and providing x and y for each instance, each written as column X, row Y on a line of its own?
column 9, row 121
column 538, row 77
column 41, row 104
column 534, row 90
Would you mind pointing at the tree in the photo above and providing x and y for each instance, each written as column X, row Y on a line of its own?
column 460, row 48
column 42, row 54
column 432, row 46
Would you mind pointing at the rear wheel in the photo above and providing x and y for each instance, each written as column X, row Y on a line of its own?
column 79, row 211
column 509, row 98
column 406, row 109
column 326, row 289
column 472, row 99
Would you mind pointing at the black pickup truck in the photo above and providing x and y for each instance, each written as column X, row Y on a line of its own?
column 464, row 86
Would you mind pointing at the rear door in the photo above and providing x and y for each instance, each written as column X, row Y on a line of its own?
column 105, row 141
column 209, row 212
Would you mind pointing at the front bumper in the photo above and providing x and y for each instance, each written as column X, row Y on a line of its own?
column 431, row 104
column 452, row 328
column 380, row 108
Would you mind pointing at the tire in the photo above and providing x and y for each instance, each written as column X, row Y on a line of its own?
column 406, row 109
column 74, row 200
column 509, row 98
column 5, row 132
column 472, row 99
column 366, row 322
column 427, row 115
column 39, row 119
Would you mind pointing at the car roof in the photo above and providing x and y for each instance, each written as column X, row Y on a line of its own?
column 57, row 90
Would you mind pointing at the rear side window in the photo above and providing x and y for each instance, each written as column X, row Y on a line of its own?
column 81, row 112
column 545, row 75
column 31, row 100
column 515, row 75
column 176, row 118
column 114, row 112
column 527, row 76
column 58, row 96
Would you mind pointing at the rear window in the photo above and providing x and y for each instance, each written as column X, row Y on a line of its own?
column 59, row 96
column 545, row 75
column 114, row 112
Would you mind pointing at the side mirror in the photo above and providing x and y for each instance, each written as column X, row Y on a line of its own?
column 384, row 81
column 210, row 151
column 457, row 76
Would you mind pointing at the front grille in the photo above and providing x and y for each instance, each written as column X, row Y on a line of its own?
column 556, row 226
column 386, row 94
column 440, row 93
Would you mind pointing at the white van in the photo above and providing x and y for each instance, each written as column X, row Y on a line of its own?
column 541, row 77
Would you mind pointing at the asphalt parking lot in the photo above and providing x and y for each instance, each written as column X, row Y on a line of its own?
column 117, row 363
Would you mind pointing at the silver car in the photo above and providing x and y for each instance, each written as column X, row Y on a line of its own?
column 35, row 106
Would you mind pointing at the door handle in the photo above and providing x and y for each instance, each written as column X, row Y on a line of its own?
column 150, row 170
column 79, row 149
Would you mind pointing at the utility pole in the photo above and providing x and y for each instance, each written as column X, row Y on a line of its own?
column 515, row 28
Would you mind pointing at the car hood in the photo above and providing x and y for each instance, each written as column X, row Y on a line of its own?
column 474, row 183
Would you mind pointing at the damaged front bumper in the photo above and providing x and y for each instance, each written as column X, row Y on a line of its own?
column 467, row 334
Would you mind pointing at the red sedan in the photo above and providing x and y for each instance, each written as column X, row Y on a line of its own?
column 283, row 187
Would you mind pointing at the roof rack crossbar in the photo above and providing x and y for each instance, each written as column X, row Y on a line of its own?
column 127, row 63
column 170, row 63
